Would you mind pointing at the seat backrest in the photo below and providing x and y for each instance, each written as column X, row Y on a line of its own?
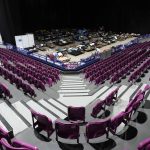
column 66, row 129
column 76, row 113
column 41, row 119
column 97, row 108
column 97, row 128
column 117, row 120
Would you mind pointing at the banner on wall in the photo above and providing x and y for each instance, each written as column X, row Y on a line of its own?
column 25, row 41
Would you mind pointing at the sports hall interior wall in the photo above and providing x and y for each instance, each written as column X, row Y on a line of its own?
column 18, row 16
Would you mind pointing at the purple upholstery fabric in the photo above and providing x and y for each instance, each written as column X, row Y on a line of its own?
column 100, row 105
column 67, row 130
column 76, row 114
column 116, row 121
column 42, row 122
column 97, row 128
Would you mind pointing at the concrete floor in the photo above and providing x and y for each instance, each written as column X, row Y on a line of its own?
column 136, row 131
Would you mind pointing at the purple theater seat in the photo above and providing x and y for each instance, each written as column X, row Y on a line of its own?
column 5, row 91
column 116, row 121
column 95, row 129
column 42, row 122
column 67, row 130
column 76, row 114
column 100, row 105
column 144, row 145
column 16, row 145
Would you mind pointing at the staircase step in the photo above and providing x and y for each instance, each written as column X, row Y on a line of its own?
column 52, row 108
column 78, row 81
column 35, row 106
column 60, row 106
column 23, row 110
column 129, row 92
column 74, row 91
column 73, row 83
column 72, row 88
column 12, row 118
column 75, row 94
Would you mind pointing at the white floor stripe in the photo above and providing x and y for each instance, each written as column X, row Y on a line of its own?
column 76, row 94
column 72, row 86
column 41, row 110
column 11, row 117
column 53, row 109
column 148, row 98
column 80, row 100
column 122, row 89
column 65, row 109
column 23, row 110
column 71, row 77
column 74, row 91
column 73, row 83
column 64, row 81
column 3, row 126
column 129, row 92
column 102, row 97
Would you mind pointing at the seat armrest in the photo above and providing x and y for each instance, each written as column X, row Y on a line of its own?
column 17, row 143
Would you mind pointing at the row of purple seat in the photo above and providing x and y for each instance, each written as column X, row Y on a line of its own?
column 32, row 80
column 116, row 57
column 16, row 57
column 105, row 69
column 123, row 71
column 138, row 72
column 108, row 101
column 27, row 89
column 8, row 144
column 118, row 70
column 32, row 67
column 16, row 69
column 70, row 129
column 94, row 129
column 44, row 77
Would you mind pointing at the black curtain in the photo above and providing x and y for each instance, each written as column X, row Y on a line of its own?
column 9, row 19
column 22, row 16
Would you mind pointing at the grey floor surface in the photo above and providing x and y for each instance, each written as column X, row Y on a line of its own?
column 136, row 131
